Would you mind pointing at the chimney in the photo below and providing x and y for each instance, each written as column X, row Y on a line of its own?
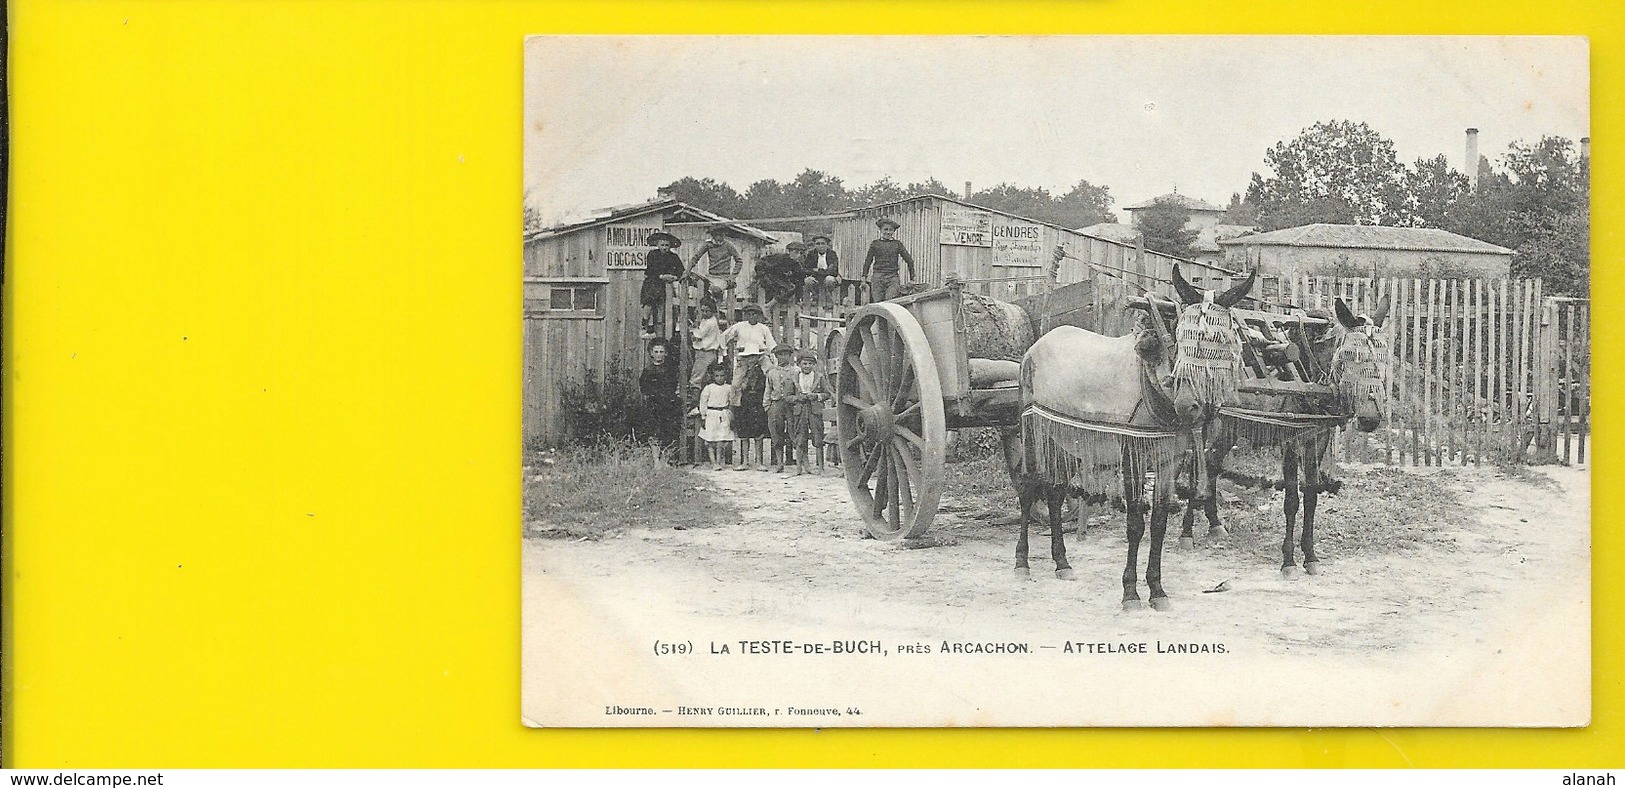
column 1585, row 147
column 1472, row 159
column 967, row 190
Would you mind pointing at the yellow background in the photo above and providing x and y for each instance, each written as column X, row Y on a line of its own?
column 262, row 388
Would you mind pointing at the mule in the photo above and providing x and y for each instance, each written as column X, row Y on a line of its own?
column 1348, row 357
column 1088, row 427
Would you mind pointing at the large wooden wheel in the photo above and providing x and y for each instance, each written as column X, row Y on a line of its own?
column 890, row 416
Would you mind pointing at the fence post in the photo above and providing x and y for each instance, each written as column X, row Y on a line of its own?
column 1546, row 382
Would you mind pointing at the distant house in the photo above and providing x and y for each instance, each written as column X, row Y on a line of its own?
column 1205, row 219
column 1112, row 231
column 1366, row 250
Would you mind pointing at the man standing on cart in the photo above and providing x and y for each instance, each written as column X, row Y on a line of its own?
column 882, row 261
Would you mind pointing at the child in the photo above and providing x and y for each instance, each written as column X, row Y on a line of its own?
column 779, row 275
column 781, row 386
column 812, row 388
column 882, row 258
column 822, row 268
column 661, row 267
column 752, row 339
column 718, row 430
column 722, row 262
column 707, row 343
column 750, row 421
column 662, row 409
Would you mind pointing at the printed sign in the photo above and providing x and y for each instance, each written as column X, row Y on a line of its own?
column 626, row 247
column 963, row 226
column 1016, row 242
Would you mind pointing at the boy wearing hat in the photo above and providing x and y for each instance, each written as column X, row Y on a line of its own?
column 779, row 400
column 812, row 388
column 661, row 267
column 751, row 339
column 884, row 253
column 722, row 262
column 821, row 267
column 779, row 274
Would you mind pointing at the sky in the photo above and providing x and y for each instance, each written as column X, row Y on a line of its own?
column 608, row 119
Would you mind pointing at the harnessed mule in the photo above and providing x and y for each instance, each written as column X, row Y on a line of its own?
column 1093, row 424
column 1348, row 357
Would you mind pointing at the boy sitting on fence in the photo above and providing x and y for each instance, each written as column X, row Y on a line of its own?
column 883, row 257
column 722, row 263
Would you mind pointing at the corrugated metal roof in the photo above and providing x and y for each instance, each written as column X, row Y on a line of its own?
column 1365, row 236
column 619, row 213
column 1184, row 201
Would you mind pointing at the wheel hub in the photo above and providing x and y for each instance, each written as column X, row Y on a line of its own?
column 875, row 424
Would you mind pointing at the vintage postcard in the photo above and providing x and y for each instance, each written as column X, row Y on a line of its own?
column 1056, row 381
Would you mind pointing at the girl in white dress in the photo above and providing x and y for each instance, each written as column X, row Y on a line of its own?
column 717, row 431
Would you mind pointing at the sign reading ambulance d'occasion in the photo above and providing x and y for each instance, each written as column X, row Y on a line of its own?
column 626, row 247
column 1016, row 242
column 962, row 226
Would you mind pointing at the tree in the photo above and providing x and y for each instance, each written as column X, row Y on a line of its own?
column 1164, row 228
column 1339, row 172
column 1240, row 212
column 881, row 191
column 1538, row 206
column 708, row 194
column 1559, row 253
column 1430, row 190
column 1084, row 205
column 531, row 220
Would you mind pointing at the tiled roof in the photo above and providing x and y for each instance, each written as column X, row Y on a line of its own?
column 1184, row 201
column 1362, row 236
column 1111, row 231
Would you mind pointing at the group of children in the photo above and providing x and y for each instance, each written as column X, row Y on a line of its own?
column 772, row 393
column 792, row 274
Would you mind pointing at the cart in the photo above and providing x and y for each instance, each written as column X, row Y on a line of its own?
column 904, row 380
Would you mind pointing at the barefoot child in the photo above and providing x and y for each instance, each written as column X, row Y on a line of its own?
column 717, row 431
column 882, row 261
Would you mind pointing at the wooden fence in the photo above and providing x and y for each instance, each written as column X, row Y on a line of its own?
column 1483, row 370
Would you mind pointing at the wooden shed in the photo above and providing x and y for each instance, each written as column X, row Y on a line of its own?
column 582, row 279
column 1008, row 255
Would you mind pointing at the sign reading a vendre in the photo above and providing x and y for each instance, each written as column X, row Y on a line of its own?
column 963, row 226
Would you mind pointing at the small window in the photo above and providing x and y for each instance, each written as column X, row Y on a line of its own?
column 568, row 298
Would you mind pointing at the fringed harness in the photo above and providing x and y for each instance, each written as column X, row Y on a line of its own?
column 1095, row 453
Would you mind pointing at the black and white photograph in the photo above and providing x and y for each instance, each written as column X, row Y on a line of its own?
column 931, row 381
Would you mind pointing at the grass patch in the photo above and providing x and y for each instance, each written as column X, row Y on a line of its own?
column 591, row 491
column 980, row 485
column 1378, row 511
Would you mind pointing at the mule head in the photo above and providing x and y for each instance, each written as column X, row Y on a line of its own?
column 1357, row 368
column 1207, row 354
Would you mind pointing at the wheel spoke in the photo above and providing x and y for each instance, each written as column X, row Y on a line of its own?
column 869, row 463
column 894, row 491
column 908, row 412
column 852, row 442
column 866, row 381
column 904, row 387
column 905, row 490
column 881, row 489
column 883, row 359
column 909, row 435
column 855, row 402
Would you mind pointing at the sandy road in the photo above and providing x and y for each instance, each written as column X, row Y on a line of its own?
column 1492, row 630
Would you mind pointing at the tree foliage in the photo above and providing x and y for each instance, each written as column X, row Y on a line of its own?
column 1536, row 202
column 1337, row 172
column 1164, row 228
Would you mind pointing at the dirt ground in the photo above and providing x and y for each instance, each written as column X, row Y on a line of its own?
column 1512, row 575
